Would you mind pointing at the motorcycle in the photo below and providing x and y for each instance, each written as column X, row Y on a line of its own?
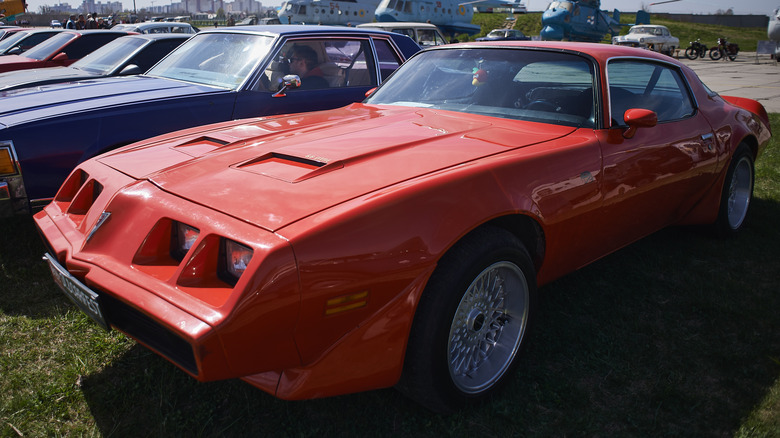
column 724, row 49
column 696, row 50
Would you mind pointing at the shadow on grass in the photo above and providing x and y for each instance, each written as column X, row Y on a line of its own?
column 674, row 335
column 27, row 286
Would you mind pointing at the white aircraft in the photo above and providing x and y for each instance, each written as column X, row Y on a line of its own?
column 451, row 16
column 773, row 30
column 339, row 12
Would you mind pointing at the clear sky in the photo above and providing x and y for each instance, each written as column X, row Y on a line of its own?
column 756, row 7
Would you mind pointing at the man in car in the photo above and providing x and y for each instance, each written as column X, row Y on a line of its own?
column 303, row 63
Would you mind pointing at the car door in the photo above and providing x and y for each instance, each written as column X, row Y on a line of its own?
column 350, row 66
column 653, row 178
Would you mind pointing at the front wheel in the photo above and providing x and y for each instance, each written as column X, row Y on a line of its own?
column 691, row 53
column 471, row 322
column 737, row 192
column 715, row 54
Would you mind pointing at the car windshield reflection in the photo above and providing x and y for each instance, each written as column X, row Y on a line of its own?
column 222, row 60
column 549, row 87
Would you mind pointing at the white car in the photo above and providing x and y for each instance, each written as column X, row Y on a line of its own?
column 649, row 36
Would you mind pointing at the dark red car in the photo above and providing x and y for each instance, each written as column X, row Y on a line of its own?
column 60, row 50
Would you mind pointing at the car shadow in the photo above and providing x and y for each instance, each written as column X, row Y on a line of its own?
column 27, row 285
column 673, row 335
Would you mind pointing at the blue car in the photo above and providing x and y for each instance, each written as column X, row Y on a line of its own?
column 217, row 75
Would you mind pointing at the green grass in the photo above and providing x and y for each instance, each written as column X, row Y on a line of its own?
column 678, row 335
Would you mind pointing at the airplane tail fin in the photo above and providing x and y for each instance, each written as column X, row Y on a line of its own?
column 642, row 17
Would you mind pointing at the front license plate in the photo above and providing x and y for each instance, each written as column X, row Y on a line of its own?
column 86, row 299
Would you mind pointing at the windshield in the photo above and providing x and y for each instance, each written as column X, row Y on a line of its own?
column 48, row 47
column 12, row 40
column 532, row 85
column 561, row 5
column 107, row 58
column 217, row 59
column 641, row 30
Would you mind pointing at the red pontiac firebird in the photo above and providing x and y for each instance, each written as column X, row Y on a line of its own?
column 399, row 241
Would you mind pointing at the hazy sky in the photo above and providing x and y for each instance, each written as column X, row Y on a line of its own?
column 756, row 7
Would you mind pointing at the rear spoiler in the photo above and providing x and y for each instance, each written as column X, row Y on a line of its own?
column 751, row 105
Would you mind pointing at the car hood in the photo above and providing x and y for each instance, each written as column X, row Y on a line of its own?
column 42, row 75
column 275, row 171
column 35, row 103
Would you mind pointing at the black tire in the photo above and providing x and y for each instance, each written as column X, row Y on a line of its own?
column 715, row 54
column 471, row 322
column 732, row 57
column 737, row 192
column 691, row 53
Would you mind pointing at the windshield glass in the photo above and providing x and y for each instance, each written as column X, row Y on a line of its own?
column 48, row 47
column 516, row 84
column 561, row 5
column 12, row 40
column 217, row 59
column 107, row 58
column 640, row 30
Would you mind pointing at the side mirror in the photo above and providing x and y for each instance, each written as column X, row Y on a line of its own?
column 289, row 82
column 62, row 56
column 370, row 92
column 130, row 69
column 638, row 118
column 15, row 51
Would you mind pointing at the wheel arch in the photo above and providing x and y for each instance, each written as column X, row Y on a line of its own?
column 525, row 228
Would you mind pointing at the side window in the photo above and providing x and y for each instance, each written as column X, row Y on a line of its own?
column 657, row 87
column 321, row 63
column 387, row 58
column 88, row 44
column 153, row 53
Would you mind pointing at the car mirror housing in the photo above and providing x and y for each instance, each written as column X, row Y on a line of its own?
column 289, row 82
column 130, row 69
column 638, row 118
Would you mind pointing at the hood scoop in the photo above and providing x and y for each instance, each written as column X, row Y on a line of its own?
column 287, row 168
column 199, row 146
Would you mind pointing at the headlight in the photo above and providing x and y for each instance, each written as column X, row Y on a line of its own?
column 235, row 258
column 184, row 237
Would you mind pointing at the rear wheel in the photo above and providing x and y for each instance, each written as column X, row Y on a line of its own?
column 471, row 322
column 737, row 192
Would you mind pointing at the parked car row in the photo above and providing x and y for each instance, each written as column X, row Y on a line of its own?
column 320, row 210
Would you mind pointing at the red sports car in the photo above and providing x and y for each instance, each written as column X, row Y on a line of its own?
column 399, row 241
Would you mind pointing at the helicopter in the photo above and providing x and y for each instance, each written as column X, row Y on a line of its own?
column 338, row 12
column 451, row 16
column 11, row 9
column 582, row 20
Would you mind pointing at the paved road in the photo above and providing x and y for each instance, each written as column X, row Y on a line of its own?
column 747, row 76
